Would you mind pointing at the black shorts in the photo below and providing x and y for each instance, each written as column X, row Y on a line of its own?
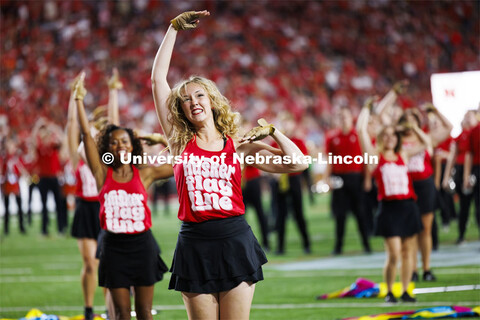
column 130, row 260
column 397, row 218
column 426, row 195
column 215, row 256
column 86, row 222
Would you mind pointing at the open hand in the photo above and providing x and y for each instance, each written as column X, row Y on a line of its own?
column 79, row 91
column 114, row 81
column 188, row 20
column 154, row 138
column 258, row 133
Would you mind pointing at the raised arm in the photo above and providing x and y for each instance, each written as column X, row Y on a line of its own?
column 363, row 136
column 442, row 132
column 387, row 102
column 161, row 64
column 98, row 168
column 73, row 132
column 426, row 143
column 114, row 84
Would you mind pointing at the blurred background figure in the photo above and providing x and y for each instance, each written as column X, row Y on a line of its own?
column 252, row 196
column 454, row 169
column 471, row 170
column 11, row 170
column 289, row 195
column 349, row 195
column 47, row 140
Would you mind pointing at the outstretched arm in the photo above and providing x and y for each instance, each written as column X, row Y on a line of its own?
column 98, row 169
column 250, row 146
column 363, row 136
column 161, row 64
column 73, row 132
column 442, row 132
column 426, row 142
column 385, row 105
column 114, row 85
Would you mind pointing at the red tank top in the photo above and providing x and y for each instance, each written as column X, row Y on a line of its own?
column 420, row 165
column 123, row 205
column 86, row 184
column 208, row 186
column 393, row 180
column 11, row 175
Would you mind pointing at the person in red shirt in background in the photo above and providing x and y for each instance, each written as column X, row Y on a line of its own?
column 444, row 197
column 47, row 138
column 29, row 160
column 10, row 172
column 290, row 195
column 252, row 195
column 420, row 169
column 457, row 160
column 350, row 196
column 472, row 167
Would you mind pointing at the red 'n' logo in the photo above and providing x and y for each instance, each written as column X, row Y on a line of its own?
column 450, row 93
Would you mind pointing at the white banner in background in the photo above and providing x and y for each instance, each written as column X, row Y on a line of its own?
column 455, row 93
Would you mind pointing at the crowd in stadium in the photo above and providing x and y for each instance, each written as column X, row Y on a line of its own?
column 309, row 58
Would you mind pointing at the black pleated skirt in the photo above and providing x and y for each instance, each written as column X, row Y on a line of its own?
column 129, row 260
column 426, row 195
column 86, row 222
column 215, row 256
column 397, row 218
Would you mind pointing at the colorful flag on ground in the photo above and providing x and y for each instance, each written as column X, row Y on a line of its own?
column 364, row 288
column 429, row 313
column 36, row 314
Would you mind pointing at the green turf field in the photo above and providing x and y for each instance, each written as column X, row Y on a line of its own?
column 44, row 273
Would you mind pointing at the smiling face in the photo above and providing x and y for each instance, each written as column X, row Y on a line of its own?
column 196, row 104
column 389, row 139
column 119, row 142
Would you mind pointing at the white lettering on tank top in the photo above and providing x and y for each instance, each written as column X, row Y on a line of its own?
column 124, row 212
column 208, row 184
column 417, row 163
column 12, row 177
column 395, row 179
column 89, row 186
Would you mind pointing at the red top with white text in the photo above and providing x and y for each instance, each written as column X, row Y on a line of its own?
column 393, row 180
column 11, row 172
column 209, row 186
column 123, row 205
column 86, row 185
column 420, row 165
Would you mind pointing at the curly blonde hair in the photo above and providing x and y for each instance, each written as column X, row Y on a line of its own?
column 226, row 121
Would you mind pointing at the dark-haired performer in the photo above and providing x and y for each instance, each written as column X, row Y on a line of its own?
column 397, row 221
column 129, row 254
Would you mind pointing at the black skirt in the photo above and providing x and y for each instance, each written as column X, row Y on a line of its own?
column 426, row 195
column 397, row 218
column 86, row 223
column 130, row 260
column 215, row 256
